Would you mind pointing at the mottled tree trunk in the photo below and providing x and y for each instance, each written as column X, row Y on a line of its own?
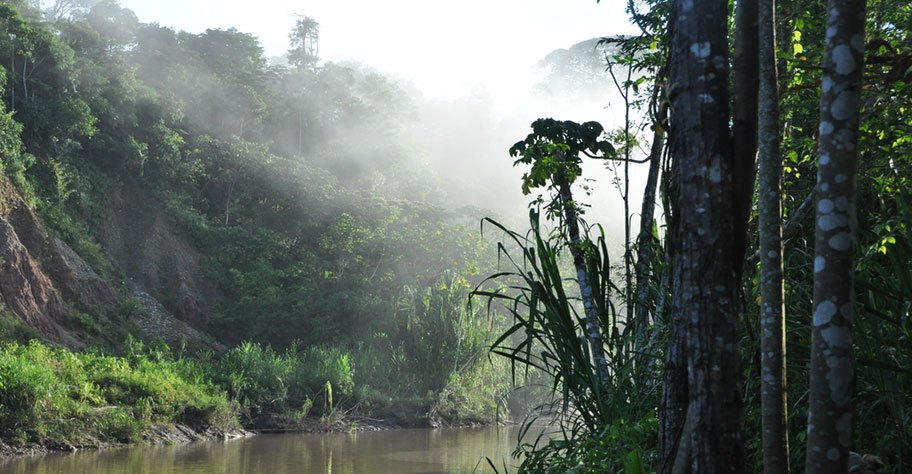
column 593, row 330
column 774, row 401
column 702, row 406
column 830, row 412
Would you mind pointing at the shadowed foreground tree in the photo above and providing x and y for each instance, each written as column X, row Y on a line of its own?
column 773, row 398
column 830, row 411
column 701, row 427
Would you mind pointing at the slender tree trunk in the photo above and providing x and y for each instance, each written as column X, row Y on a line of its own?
column 593, row 331
column 830, row 413
column 744, row 123
column 704, row 267
column 647, row 218
column 638, row 326
column 300, row 129
column 24, row 80
column 774, row 401
column 12, row 75
column 634, row 325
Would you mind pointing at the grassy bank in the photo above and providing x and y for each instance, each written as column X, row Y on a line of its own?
column 56, row 398
column 59, row 399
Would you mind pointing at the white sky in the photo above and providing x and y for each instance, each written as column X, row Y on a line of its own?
column 444, row 47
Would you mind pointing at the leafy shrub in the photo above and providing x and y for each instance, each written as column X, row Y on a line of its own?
column 621, row 446
column 12, row 330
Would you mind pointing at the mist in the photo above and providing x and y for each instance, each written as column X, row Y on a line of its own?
column 466, row 138
column 222, row 219
column 308, row 214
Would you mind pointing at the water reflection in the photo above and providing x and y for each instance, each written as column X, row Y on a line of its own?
column 447, row 451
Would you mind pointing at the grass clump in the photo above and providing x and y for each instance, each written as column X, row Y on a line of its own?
column 288, row 383
column 55, row 397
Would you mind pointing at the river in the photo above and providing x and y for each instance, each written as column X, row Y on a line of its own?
column 409, row 451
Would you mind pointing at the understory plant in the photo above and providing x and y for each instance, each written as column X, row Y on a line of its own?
column 547, row 334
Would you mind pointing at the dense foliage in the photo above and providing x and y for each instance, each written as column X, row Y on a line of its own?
column 342, row 275
column 338, row 266
column 595, row 437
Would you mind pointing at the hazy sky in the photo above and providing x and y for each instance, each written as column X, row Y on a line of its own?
column 448, row 49
column 444, row 47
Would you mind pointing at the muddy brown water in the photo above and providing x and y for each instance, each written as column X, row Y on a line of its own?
column 410, row 451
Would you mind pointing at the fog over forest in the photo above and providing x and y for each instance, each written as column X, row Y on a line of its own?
column 281, row 224
column 464, row 123
column 667, row 235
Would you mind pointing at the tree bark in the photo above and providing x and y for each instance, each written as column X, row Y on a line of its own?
column 830, row 411
column 773, row 397
column 704, row 267
column 744, row 120
column 645, row 239
column 593, row 330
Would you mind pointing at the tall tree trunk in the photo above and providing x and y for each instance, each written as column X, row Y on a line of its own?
column 830, row 413
column 645, row 244
column 744, row 120
column 704, row 268
column 12, row 82
column 774, row 401
column 593, row 330
column 24, row 80
column 638, row 326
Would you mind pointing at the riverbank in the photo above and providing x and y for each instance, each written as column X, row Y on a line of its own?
column 444, row 451
column 174, row 434
column 162, row 434
column 52, row 399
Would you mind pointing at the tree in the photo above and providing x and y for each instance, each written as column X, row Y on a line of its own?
column 772, row 290
column 744, row 120
column 60, row 9
column 305, row 44
column 553, row 150
column 830, row 412
column 41, row 78
column 701, row 426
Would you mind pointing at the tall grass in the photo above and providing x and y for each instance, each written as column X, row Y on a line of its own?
column 264, row 381
column 433, row 356
column 548, row 334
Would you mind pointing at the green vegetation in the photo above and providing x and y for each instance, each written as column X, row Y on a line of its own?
column 615, row 425
column 603, row 424
column 339, row 274
column 59, row 398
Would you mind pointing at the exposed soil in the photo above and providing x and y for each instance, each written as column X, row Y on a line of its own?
column 28, row 293
column 346, row 425
column 156, row 321
column 156, row 259
column 166, row 434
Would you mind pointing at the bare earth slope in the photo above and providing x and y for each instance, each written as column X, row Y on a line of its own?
column 156, row 260
column 42, row 279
